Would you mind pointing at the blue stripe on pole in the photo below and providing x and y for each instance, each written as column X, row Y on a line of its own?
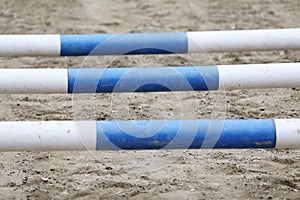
column 149, row 79
column 194, row 134
column 120, row 44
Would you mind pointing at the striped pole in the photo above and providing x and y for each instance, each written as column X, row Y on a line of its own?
column 149, row 79
column 149, row 43
column 157, row 134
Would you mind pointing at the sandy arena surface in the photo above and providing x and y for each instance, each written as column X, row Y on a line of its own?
column 184, row 174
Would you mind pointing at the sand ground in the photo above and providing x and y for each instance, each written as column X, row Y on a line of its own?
column 184, row 174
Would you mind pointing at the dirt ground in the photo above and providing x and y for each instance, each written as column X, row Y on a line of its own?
column 180, row 174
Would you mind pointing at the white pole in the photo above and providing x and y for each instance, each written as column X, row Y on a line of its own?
column 287, row 133
column 256, row 76
column 47, row 136
column 33, row 81
column 244, row 40
column 29, row 45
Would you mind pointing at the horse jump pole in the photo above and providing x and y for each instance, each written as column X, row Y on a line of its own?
column 149, row 43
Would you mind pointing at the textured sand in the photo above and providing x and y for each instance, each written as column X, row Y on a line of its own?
column 194, row 174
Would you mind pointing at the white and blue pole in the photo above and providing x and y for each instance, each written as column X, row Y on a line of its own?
column 149, row 43
column 129, row 135
column 149, row 79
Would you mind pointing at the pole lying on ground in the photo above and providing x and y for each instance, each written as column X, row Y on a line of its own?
column 147, row 134
column 149, row 43
column 149, row 79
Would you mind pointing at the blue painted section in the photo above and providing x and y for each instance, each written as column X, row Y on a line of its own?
column 122, row 44
column 149, row 79
column 193, row 134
